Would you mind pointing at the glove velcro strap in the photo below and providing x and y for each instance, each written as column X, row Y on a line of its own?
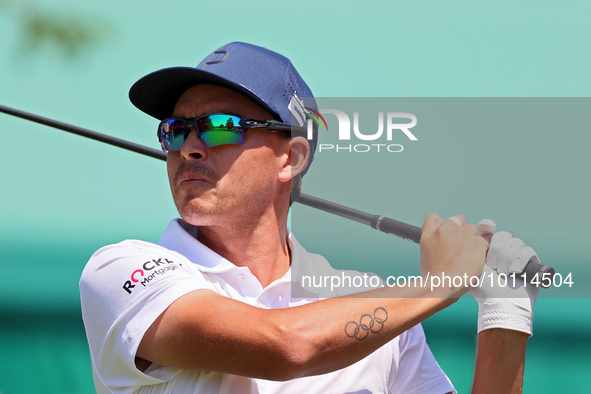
column 507, row 320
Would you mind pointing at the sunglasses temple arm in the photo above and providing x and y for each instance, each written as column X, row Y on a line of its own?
column 274, row 125
column 107, row 139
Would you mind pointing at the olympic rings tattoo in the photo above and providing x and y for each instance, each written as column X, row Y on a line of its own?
column 366, row 324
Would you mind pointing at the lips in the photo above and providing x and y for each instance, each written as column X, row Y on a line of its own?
column 191, row 178
column 195, row 173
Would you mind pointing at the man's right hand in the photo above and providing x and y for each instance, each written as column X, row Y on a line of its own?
column 452, row 250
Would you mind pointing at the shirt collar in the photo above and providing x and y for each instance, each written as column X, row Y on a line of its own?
column 176, row 238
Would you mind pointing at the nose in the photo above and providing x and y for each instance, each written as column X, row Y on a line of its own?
column 193, row 148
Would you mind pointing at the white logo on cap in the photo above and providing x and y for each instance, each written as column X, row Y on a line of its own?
column 296, row 107
column 208, row 62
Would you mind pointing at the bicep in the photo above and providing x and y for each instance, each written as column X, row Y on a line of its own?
column 205, row 331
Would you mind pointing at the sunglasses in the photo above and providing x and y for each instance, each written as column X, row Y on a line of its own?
column 214, row 130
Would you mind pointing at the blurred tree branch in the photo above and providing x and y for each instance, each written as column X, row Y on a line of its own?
column 71, row 33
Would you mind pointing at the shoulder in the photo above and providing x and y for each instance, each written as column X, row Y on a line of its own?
column 316, row 276
column 121, row 267
column 126, row 248
column 112, row 260
column 134, row 278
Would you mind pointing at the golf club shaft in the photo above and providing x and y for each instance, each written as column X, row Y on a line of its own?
column 107, row 139
column 387, row 225
column 384, row 224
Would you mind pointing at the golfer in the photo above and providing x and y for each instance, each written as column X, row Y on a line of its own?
column 208, row 309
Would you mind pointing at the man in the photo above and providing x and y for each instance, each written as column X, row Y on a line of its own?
column 208, row 309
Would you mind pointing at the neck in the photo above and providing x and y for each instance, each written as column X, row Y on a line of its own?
column 261, row 246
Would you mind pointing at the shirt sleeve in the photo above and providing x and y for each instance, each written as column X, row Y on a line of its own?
column 123, row 290
column 414, row 369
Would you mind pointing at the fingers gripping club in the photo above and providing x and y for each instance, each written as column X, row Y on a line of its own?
column 508, row 255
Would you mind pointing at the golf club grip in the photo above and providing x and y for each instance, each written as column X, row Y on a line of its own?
column 397, row 228
column 533, row 271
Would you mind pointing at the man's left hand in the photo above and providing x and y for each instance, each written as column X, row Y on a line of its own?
column 509, row 306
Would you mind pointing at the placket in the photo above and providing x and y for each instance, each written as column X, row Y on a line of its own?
column 249, row 285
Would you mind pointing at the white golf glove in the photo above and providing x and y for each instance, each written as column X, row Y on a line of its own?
column 509, row 306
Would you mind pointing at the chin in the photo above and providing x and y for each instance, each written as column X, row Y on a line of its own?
column 197, row 212
column 193, row 221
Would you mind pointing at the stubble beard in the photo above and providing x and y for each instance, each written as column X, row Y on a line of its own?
column 233, row 212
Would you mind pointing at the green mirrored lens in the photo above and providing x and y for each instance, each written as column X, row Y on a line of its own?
column 215, row 138
column 220, row 130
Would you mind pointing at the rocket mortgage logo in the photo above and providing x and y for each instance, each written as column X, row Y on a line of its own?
column 378, row 141
column 148, row 271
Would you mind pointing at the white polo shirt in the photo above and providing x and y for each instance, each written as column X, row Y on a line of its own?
column 126, row 286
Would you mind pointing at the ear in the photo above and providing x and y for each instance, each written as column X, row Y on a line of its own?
column 297, row 154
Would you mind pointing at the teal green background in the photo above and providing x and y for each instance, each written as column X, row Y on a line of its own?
column 64, row 196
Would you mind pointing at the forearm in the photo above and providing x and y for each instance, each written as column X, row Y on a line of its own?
column 283, row 343
column 335, row 333
column 500, row 361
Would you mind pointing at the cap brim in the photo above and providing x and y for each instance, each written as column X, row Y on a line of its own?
column 157, row 93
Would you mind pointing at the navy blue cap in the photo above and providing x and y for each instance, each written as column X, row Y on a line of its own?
column 264, row 76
